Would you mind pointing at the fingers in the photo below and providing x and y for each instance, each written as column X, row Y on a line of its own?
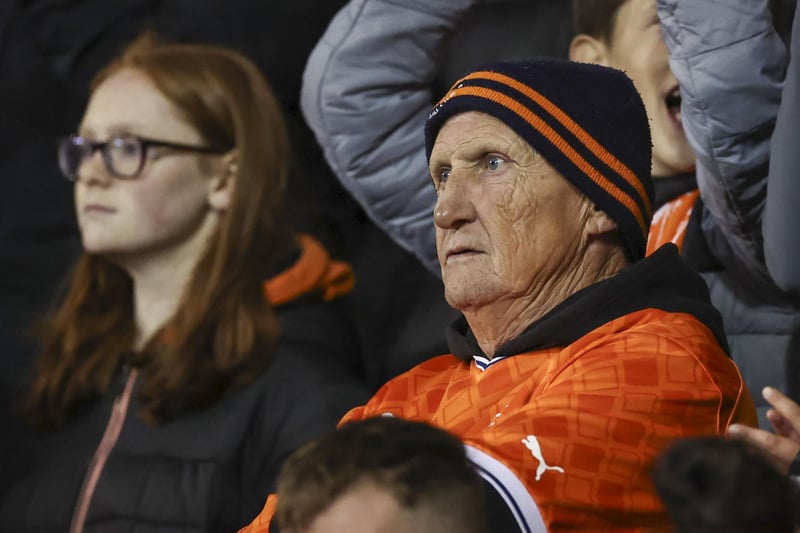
column 780, row 450
column 784, row 405
column 758, row 438
column 782, row 446
column 782, row 425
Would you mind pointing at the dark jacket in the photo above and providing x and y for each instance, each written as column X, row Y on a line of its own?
column 208, row 470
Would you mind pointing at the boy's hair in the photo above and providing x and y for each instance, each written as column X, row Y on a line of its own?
column 595, row 18
column 425, row 469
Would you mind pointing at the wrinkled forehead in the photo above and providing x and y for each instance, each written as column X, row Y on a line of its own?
column 479, row 133
column 469, row 138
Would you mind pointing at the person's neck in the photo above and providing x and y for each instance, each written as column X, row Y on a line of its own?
column 156, row 296
column 504, row 319
column 159, row 282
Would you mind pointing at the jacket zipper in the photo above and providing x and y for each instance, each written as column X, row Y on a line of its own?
column 113, row 429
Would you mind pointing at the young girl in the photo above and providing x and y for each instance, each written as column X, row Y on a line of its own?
column 196, row 346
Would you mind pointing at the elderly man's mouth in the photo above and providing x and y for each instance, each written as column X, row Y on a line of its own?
column 462, row 254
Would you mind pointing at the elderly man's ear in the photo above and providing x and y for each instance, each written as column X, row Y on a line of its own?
column 586, row 49
column 599, row 223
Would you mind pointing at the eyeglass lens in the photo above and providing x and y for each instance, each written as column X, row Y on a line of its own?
column 122, row 155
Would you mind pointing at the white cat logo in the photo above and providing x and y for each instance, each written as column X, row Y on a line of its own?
column 532, row 443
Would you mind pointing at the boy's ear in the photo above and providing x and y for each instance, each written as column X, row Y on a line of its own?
column 220, row 189
column 586, row 49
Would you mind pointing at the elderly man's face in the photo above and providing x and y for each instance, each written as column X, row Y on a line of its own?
column 506, row 221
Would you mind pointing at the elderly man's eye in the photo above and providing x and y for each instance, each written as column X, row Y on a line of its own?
column 493, row 163
column 444, row 174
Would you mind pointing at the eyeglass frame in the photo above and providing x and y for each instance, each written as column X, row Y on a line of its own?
column 90, row 147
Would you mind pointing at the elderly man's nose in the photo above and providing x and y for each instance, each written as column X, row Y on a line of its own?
column 454, row 206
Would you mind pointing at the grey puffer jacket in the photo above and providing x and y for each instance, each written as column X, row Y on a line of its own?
column 367, row 92
column 731, row 65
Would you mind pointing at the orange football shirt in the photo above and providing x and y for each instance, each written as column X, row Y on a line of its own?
column 567, row 435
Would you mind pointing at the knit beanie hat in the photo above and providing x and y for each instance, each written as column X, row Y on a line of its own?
column 587, row 121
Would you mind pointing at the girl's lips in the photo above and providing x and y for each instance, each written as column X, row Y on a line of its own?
column 99, row 209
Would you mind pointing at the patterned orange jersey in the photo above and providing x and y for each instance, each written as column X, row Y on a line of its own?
column 566, row 435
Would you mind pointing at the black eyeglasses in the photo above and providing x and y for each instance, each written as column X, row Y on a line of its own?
column 123, row 154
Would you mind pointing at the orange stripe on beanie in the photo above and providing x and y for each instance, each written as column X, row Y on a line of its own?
column 587, row 121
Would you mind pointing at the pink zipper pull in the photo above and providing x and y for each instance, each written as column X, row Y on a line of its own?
column 119, row 412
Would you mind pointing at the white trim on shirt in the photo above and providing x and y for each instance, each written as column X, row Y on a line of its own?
column 505, row 482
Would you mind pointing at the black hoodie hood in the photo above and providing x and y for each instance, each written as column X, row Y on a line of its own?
column 660, row 281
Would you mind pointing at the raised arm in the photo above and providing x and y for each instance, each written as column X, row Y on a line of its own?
column 366, row 94
column 781, row 214
column 730, row 64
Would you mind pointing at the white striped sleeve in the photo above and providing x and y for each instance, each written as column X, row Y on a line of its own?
column 508, row 486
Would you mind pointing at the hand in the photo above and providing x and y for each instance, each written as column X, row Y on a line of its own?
column 783, row 446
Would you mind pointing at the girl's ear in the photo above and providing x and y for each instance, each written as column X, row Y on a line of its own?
column 220, row 189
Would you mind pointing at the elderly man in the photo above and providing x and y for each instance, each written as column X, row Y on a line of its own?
column 576, row 359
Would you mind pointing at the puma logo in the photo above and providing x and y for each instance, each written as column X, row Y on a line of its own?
column 532, row 443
